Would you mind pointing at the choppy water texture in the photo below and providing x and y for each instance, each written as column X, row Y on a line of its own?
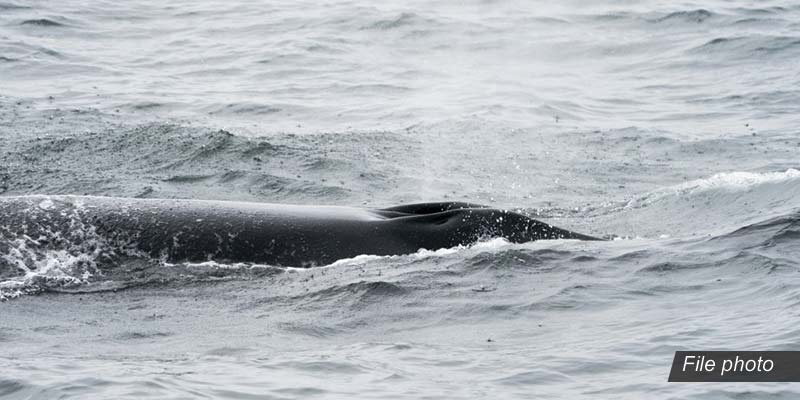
column 670, row 126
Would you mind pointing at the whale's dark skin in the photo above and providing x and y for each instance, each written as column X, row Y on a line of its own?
column 285, row 235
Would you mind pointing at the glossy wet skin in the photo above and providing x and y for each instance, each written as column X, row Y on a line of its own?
column 287, row 235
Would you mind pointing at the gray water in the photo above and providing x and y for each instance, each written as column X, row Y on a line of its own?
column 671, row 127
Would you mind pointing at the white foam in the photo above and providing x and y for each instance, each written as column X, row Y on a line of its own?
column 43, row 267
column 421, row 254
column 52, row 268
column 220, row 265
column 738, row 180
column 725, row 182
column 46, row 204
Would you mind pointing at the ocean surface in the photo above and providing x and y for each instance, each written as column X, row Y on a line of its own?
column 672, row 128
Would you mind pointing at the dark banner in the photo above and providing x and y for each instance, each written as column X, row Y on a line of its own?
column 735, row 366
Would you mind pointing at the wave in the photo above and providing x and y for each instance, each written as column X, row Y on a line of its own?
column 22, row 50
column 160, row 160
column 44, row 22
column 772, row 232
column 699, row 208
column 748, row 46
column 762, row 10
column 401, row 20
column 692, row 16
column 721, row 183
column 244, row 108
column 12, row 7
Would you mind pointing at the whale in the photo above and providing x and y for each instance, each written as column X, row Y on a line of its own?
column 178, row 230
